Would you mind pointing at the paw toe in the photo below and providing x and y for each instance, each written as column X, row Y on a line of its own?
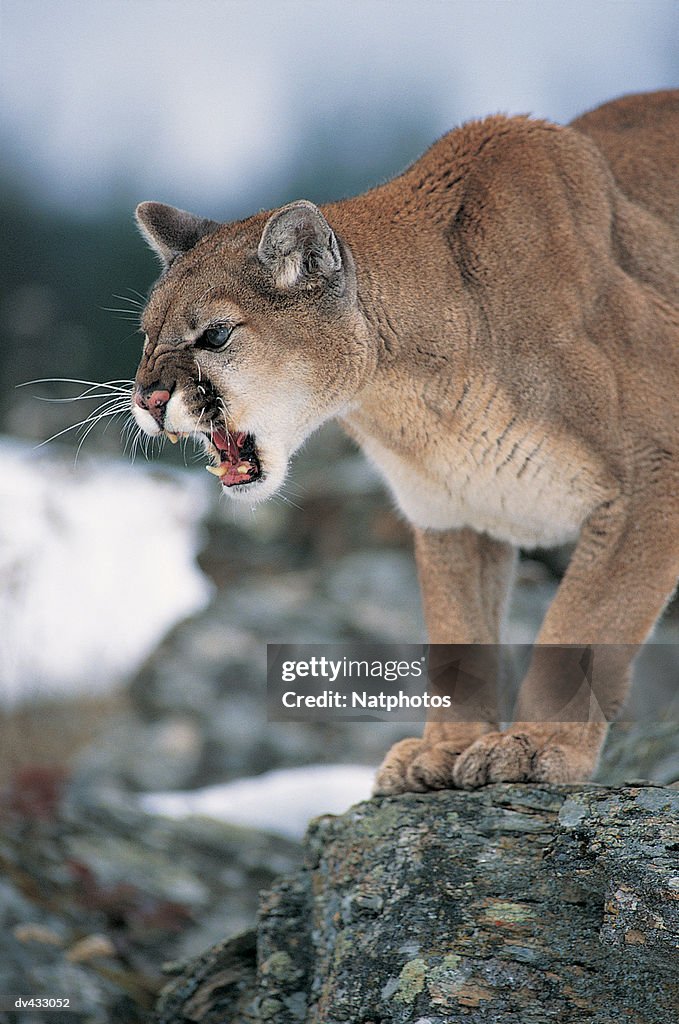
column 511, row 759
column 560, row 764
column 495, row 757
column 520, row 757
column 392, row 775
column 471, row 769
column 433, row 768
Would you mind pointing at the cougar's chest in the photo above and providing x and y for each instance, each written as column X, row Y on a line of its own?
column 526, row 488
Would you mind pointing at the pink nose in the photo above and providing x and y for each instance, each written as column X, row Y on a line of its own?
column 154, row 403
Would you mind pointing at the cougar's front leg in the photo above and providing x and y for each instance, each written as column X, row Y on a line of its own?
column 464, row 579
column 622, row 573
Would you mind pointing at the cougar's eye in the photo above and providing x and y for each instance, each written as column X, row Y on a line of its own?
column 215, row 337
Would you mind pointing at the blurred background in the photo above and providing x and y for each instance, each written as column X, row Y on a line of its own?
column 108, row 688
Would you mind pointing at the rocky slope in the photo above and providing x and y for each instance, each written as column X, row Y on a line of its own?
column 513, row 904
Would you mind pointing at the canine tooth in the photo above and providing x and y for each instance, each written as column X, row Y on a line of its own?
column 172, row 437
column 243, row 468
column 217, row 470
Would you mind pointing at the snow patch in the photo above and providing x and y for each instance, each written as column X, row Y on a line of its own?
column 281, row 801
column 97, row 563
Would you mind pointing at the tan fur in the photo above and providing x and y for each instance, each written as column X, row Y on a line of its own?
column 498, row 328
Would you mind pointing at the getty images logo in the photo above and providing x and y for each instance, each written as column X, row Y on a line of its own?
column 346, row 668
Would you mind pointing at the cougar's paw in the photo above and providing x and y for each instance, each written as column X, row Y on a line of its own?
column 520, row 757
column 433, row 768
column 562, row 763
column 413, row 766
column 495, row 757
column 392, row 774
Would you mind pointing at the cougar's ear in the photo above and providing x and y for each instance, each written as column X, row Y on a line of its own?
column 299, row 247
column 170, row 232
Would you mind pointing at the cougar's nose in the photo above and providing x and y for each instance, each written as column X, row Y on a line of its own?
column 154, row 400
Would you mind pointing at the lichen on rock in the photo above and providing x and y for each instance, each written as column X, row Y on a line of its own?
column 514, row 903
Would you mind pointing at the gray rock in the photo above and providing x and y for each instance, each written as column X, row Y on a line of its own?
column 513, row 903
column 96, row 896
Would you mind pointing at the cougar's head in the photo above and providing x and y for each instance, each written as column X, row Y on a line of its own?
column 253, row 338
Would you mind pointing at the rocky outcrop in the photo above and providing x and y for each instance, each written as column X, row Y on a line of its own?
column 513, row 903
column 94, row 897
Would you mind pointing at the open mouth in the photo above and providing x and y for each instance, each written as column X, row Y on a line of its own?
column 238, row 458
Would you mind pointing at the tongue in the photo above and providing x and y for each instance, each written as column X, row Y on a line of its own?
column 235, row 467
column 229, row 444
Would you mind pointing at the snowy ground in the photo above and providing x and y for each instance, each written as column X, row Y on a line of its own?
column 282, row 801
column 97, row 563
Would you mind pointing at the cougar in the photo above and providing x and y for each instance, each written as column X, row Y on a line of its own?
column 498, row 329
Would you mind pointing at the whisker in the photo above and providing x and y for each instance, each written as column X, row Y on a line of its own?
column 126, row 433
column 115, row 404
column 112, row 385
column 136, row 303
column 75, row 426
column 137, row 443
column 147, row 444
column 91, row 393
column 143, row 298
column 90, row 427
column 66, row 401
column 197, row 426
column 222, row 404
column 288, row 501
column 133, row 440
column 125, row 314
column 301, row 490
column 116, row 398
column 158, row 442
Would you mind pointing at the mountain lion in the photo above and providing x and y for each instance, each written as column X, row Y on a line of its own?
column 498, row 328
